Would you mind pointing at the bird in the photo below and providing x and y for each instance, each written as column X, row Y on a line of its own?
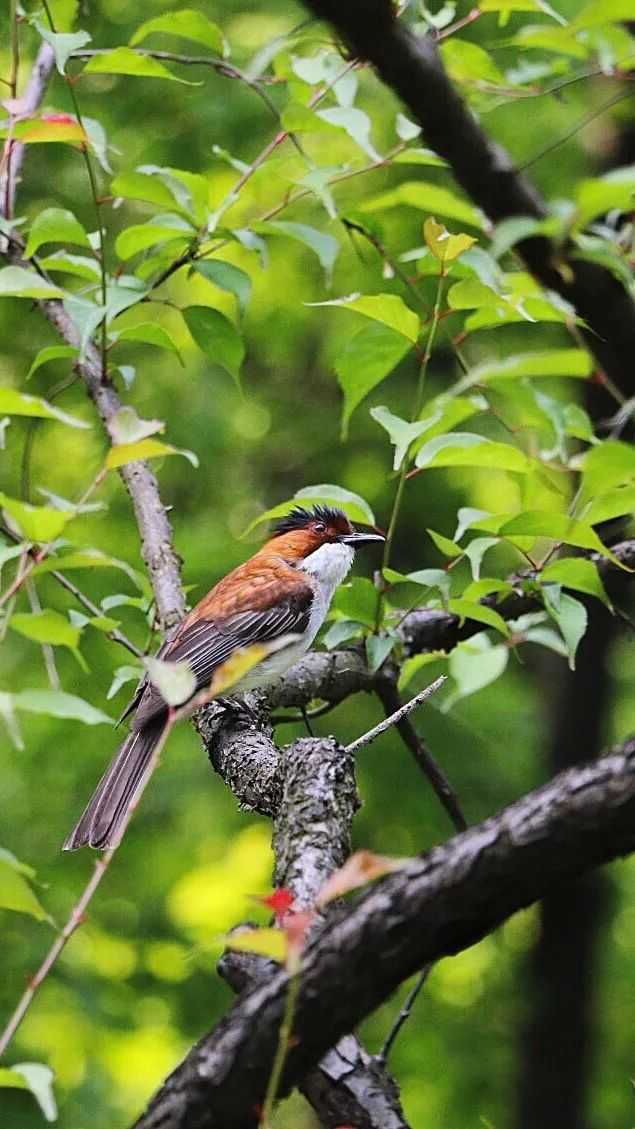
column 282, row 593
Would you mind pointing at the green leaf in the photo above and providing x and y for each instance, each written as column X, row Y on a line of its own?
column 577, row 573
column 323, row 245
column 414, row 664
column 401, row 433
column 127, row 427
column 55, row 225
column 217, row 337
column 55, row 703
column 357, row 600
column 604, row 12
column 140, row 236
column 47, row 626
column 445, row 545
column 51, row 353
column 363, row 363
column 475, row 552
column 419, row 156
column 151, row 333
column 615, row 503
column 142, row 186
column 557, row 527
column 388, row 309
column 37, row 523
column 469, row 609
column 327, row 494
column 610, row 464
column 549, row 362
column 16, row 894
column 424, row 577
column 474, row 664
column 601, row 194
column 378, row 648
column 36, row 1078
column 16, row 403
column 570, row 615
column 7, row 713
column 81, row 266
column 227, row 277
column 18, row 282
column 123, row 453
column 340, row 632
column 355, row 122
column 63, row 43
column 461, row 448
column 89, row 558
column 467, row 62
column 445, row 247
column 123, row 60
column 186, row 24
column 429, row 198
column 122, row 675
column 175, row 681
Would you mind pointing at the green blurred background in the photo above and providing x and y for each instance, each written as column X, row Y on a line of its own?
column 137, row 984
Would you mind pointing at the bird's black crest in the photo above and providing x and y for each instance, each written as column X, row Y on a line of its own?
column 299, row 518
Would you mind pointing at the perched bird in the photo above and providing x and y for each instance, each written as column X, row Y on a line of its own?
column 283, row 590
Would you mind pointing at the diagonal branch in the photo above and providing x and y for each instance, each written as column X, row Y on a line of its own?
column 413, row 69
column 436, row 906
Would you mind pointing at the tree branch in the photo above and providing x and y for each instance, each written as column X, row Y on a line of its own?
column 436, row 906
column 413, row 69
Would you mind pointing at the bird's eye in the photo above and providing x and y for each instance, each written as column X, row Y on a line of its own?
column 319, row 527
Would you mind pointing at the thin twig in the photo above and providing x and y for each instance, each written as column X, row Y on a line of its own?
column 396, row 717
column 389, row 696
column 48, row 654
column 403, row 1015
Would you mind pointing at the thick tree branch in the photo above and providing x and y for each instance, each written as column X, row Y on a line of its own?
column 412, row 67
column 436, row 906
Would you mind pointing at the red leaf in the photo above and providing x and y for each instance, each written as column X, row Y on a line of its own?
column 280, row 902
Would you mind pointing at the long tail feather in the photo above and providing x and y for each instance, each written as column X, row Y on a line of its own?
column 101, row 824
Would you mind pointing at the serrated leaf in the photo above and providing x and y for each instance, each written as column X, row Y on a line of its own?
column 466, row 449
column 55, row 225
column 150, row 333
column 389, row 309
column 123, row 60
column 429, row 198
column 468, row 609
column 18, row 282
column 217, row 337
column 186, row 24
column 227, row 277
column 16, row 894
column 123, row 453
column 16, row 403
column 363, row 363
column 37, row 523
column 577, row 573
column 444, row 246
column 325, row 246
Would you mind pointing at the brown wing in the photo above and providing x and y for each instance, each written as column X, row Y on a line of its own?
column 280, row 605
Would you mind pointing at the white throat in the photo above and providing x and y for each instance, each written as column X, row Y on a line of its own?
column 328, row 566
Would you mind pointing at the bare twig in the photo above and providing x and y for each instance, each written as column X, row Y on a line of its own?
column 398, row 715
column 36, row 88
column 48, row 654
column 404, row 1014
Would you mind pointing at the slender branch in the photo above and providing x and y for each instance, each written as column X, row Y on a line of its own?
column 41, row 72
column 404, row 1013
column 399, row 714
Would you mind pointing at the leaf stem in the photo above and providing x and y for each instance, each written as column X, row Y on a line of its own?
column 284, row 1037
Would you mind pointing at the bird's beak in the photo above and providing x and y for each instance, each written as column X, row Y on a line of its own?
column 356, row 539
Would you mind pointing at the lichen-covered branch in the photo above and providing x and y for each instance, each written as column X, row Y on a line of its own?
column 434, row 907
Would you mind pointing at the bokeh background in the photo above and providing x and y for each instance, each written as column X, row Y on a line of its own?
column 137, row 985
